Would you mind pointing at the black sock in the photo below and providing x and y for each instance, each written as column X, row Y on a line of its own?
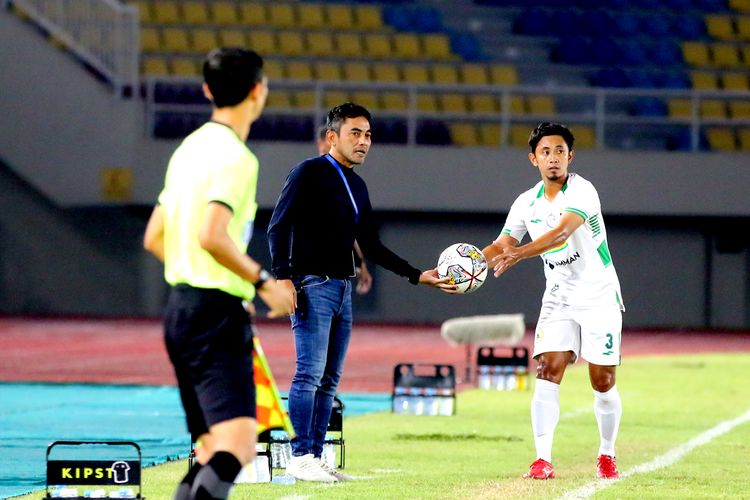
column 215, row 478
column 183, row 489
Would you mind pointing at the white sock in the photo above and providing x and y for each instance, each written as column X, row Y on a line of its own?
column 608, row 411
column 545, row 413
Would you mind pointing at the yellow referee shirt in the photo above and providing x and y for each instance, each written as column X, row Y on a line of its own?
column 211, row 164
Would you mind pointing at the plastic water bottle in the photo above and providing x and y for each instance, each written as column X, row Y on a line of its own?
column 498, row 377
column 283, row 479
column 400, row 400
column 260, row 464
column 416, row 401
column 329, row 454
column 523, row 378
column 430, row 401
column 446, row 402
column 511, row 381
column 484, row 381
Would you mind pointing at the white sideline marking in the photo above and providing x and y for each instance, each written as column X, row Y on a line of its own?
column 665, row 460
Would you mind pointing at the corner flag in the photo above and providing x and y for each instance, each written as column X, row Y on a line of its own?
column 270, row 412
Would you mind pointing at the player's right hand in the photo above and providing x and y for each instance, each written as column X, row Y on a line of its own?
column 280, row 296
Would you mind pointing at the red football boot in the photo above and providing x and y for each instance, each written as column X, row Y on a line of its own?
column 606, row 467
column 540, row 469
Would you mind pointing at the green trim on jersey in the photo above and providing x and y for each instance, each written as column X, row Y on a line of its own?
column 604, row 254
column 506, row 231
column 577, row 212
column 595, row 225
column 541, row 191
column 565, row 186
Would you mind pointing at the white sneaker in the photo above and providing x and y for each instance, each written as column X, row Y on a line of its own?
column 307, row 468
column 333, row 471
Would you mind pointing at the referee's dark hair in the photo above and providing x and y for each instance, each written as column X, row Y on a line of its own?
column 338, row 115
column 546, row 128
column 231, row 73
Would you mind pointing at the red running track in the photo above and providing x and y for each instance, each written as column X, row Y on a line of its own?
column 131, row 351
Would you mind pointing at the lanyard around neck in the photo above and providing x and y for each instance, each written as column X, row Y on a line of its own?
column 348, row 189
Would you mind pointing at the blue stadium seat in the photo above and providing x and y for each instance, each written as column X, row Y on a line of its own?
column 433, row 132
column 673, row 80
column 655, row 24
column 649, row 106
column 666, row 53
column 426, row 20
column 611, row 77
column 689, row 27
column 626, row 24
column 641, row 78
column 633, row 52
column 572, row 50
column 467, row 46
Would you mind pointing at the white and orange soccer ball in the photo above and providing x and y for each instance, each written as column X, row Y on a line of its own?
column 465, row 265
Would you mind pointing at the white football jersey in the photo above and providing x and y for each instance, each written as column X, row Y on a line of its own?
column 579, row 272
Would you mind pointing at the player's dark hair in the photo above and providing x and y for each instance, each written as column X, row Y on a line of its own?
column 231, row 73
column 338, row 115
column 546, row 128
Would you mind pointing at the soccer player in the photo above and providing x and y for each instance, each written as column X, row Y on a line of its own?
column 200, row 230
column 323, row 206
column 581, row 312
column 364, row 278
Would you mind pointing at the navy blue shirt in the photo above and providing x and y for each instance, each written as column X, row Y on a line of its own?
column 314, row 225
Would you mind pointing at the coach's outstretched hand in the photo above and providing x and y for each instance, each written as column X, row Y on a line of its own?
column 430, row 277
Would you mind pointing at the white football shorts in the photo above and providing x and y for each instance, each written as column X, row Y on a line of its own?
column 593, row 334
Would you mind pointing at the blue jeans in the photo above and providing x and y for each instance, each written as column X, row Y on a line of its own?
column 322, row 325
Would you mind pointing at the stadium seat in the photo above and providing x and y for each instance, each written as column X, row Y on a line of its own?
column 743, row 28
column 194, row 12
column 263, row 42
column 743, row 138
column 406, row 46
column 695, row 53
column 585, row 136
column 474, row 74
column 253, row 14
column 453, row 102
column 517, row 106
column 415, row 73
column 739, row 109
column 725, row 55
column 433, row 132
column 378, row 45
column 713, row 108
column 740, row 6
column 304, row 99
column 720, row 138
column 519, row 136
column 299, row 70
column 184, row 66
column 463, row 134
column 176, row 40
column 503, row 74
column 366, row 98
column 490, row 134
column 232, row 38
column 680, row 108
column 340, row 16
column 273, row 69
column 368, row 17
column 719, row 26
column 203, row 40
column 145, row 13
column 746, row 55
column 437, row 47
column 223, row 13
column 444, row 74
column 427, row 102
column 333, row 98
column 541, row 105
column 154, row 65
column 704, row 80
column 311, row 16
column 281, row 15
column 395, row 101
column 356, row 71
column 279, row 99
column 166, row 12
column 483, row 103
column 385, row 72
column 319, row 43
column 150, row 40
column 734, row 81
column 327, row 71
column 291, row 43
column 349, row 45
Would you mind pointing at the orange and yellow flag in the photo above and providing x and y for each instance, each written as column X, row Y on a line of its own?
column 270, row 412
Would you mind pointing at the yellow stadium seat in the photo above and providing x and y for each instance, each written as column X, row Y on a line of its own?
column 253, row 14
column 311, row 16
column 340, row 16
column 349, row 45
column 746, row 55
column 385, row 72
column 503, row 74
column 735, row 81
column 720, row 26
column 740, row 5
column 327, row 70
column 356, row 71
column 176, row 40
column 437, row 47
column 541, row 105
column 713, row 108
column 204, row 40
column 427, row 102
column 368, row 17
column 281, row 15
column 695, row 53
column 194, row 12
column 743, row 28
column 145, row 13
column 406, row 46
column 463, row 134
column 704, row 80
column 299, row 70
column 519, row 135
column 232, row 38
column 585, row 136
column 725, row 55
column 517, row 106
column 150, row 40
column 474, row 74
column 273, row 69
column 367, row 99
column 453, row 102
column 395, row 101
column 743, row 137
column 291, row 43
column 154, row 65
column 490, row 134
column 304, row 99
column 483, row 103
column 333, row 98
column 166, row 12
column 680, row 108
column 184, row 66
column 279, row 99
column 263, row 42
column 720, row 138
column 319, row 43
column 446, row 74
column 223, row 13
column 378, row 45
column 415, row 73
column 739, row 109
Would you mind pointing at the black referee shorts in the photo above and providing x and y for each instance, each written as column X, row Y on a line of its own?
column 210, row 343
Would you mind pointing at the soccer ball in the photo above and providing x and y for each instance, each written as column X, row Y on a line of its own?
column 465, row 265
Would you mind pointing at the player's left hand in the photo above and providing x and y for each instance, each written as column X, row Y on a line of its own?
column 364, row 279
column 430, row 277
column 507, row 258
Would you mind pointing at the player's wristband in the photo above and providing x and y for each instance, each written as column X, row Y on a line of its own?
column 263, row 276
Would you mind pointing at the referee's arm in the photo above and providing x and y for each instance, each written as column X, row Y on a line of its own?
column 153, row 240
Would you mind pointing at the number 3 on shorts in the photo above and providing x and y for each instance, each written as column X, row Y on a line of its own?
column 610, row 341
